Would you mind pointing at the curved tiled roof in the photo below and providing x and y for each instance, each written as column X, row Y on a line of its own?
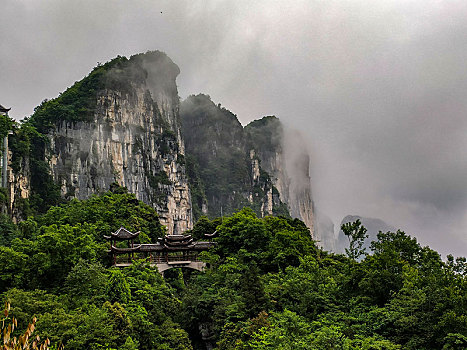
column 122, row 234
column 3, row 109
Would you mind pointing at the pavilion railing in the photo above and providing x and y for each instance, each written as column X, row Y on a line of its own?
column 156, row 258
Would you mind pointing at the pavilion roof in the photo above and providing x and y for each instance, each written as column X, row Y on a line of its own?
column 158, row 247
column 3, row 109
column 125, row 250
column 122, row 234
column 152, row 247
column 168, row 243
column 177, row 240
column 211, row 235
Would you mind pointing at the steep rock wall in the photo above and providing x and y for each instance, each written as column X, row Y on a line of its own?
column 297, row 169
column 19, row 187
column 225, row 175
column 283, row 155
column 122, row 124
column 133, row 139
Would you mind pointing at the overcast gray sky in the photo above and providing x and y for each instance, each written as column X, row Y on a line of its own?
column 379, row 88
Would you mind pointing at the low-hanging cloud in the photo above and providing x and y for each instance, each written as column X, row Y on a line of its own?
column 378, row 88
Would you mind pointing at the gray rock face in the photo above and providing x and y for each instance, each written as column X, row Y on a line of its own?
column 19, row 187
column 122, row 124
column 297, row 167
column 225, row 172
column 283, row 155
column 134, row 139
column 324, row 229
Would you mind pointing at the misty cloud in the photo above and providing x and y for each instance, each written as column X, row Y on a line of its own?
column 378, row 88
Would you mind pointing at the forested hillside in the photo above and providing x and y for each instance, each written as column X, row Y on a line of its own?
column 268, row 285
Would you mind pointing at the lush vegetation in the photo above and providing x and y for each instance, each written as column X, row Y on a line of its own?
column 79, row 102
column 268, row 286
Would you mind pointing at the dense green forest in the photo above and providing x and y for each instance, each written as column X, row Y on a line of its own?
column 268, row 285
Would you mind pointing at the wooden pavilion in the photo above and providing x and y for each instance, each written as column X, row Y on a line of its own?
column 168, row 252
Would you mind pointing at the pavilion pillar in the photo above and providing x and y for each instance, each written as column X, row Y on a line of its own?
column 5, row 162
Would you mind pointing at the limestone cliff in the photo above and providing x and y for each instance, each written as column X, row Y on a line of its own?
column 129, row 134
column 284, row 156
column 225, row 174
column 124, row 123
column 261, row 165
column 19, row 186
column 324, row 229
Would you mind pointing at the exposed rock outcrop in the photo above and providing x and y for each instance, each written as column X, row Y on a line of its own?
column 124, row 124
column 19, row 187
column 284, row 156
column 256, row 166
column 131, row 137
column 225, row 173
column 324, row 230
